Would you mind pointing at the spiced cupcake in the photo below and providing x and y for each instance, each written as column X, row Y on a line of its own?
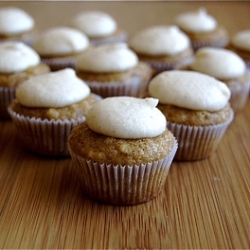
column 202, row 29
column 123, row 151
column 113, row 70
column 162, row 47
column 47, row 107
column 100, row 27
column 226, row 66
column 240, row 44
column 16, row 25
column 197, row 109
column 18, row 62
column 59, row 47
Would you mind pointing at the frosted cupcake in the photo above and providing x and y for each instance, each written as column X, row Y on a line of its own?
column 18, row 62
column 202, row 29
column 228, row 67
column 162, row 47
column 16, row 24
column 113, row 70
column 123, row 151
column 240, row 44
column 47, row 107
column 100, row 27
column 197, row 110
column 59, row 47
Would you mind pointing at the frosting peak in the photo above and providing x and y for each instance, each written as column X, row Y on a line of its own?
column 17, row 57
column 61, row 41
column 219, row 63
column 15, row 21
column 107, row 58
column 191, row 90
column 94, row 23
column 196, row 21
column 241, row 40
column 52, row 90
column 160, row 40
column 126, row 117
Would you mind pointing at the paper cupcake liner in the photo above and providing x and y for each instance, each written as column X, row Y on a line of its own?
column 197, row 142
column 7, row 94
column 239, row 96
column 60, row 63
column 44, row 137
column 122, row 184
column 136, row 87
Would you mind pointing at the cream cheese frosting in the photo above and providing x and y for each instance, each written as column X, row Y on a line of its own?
column 15, row 21
column 160, row 40
column 17, row 57
column 107, row 58
column 127, row 117
column 191, row 90
column 196, row 21
column 61, row 41
column 219, row 63
column 94, row 23
column 241, row 40
column 52, row 90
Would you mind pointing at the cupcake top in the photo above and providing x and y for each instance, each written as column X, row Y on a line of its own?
column 61, row 41
column 107, row 58
column 17, row 57
column 126, row 117
column 160, row 40
column 55, row 89
column 241, row 40
column 191, row 90
column 94, row 24
column 196, row 21
column 14, row 21
column 219, row 63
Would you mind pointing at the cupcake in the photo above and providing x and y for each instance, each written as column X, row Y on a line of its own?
column 99, row 26
column 202, row 29
column 240, row 44
column 17, row 25
column 113, row 70
column 162, row 47
column 123, row 151
column 197, row 109
column 228, row 67
column 47, row 107
column 18, row 62
column 59, row 47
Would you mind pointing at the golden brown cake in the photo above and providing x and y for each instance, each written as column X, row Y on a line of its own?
column 47, row 107
column 125, row 159
column 197, row 110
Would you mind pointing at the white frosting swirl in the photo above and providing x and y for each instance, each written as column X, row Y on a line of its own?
column 52, row 90
column 160, row 40
column 127, row 117
column 241, row 40
column 17, row 57
column 107, row 58
column 191, row 90
column 61, row 41
column 15, row 21
column 196, row 22
column 94, row 23
column 219, row 63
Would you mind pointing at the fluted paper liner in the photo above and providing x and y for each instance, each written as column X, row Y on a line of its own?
column 45, row 137
column 197, row 142
column 122, row 184
column 60, row 63
column 7, row 94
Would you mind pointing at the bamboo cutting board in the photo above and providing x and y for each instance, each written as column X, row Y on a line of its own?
column 204, row 204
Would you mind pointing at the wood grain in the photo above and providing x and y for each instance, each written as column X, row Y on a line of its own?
column 204, row 204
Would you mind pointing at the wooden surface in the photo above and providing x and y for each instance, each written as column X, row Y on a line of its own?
column 204, row 204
